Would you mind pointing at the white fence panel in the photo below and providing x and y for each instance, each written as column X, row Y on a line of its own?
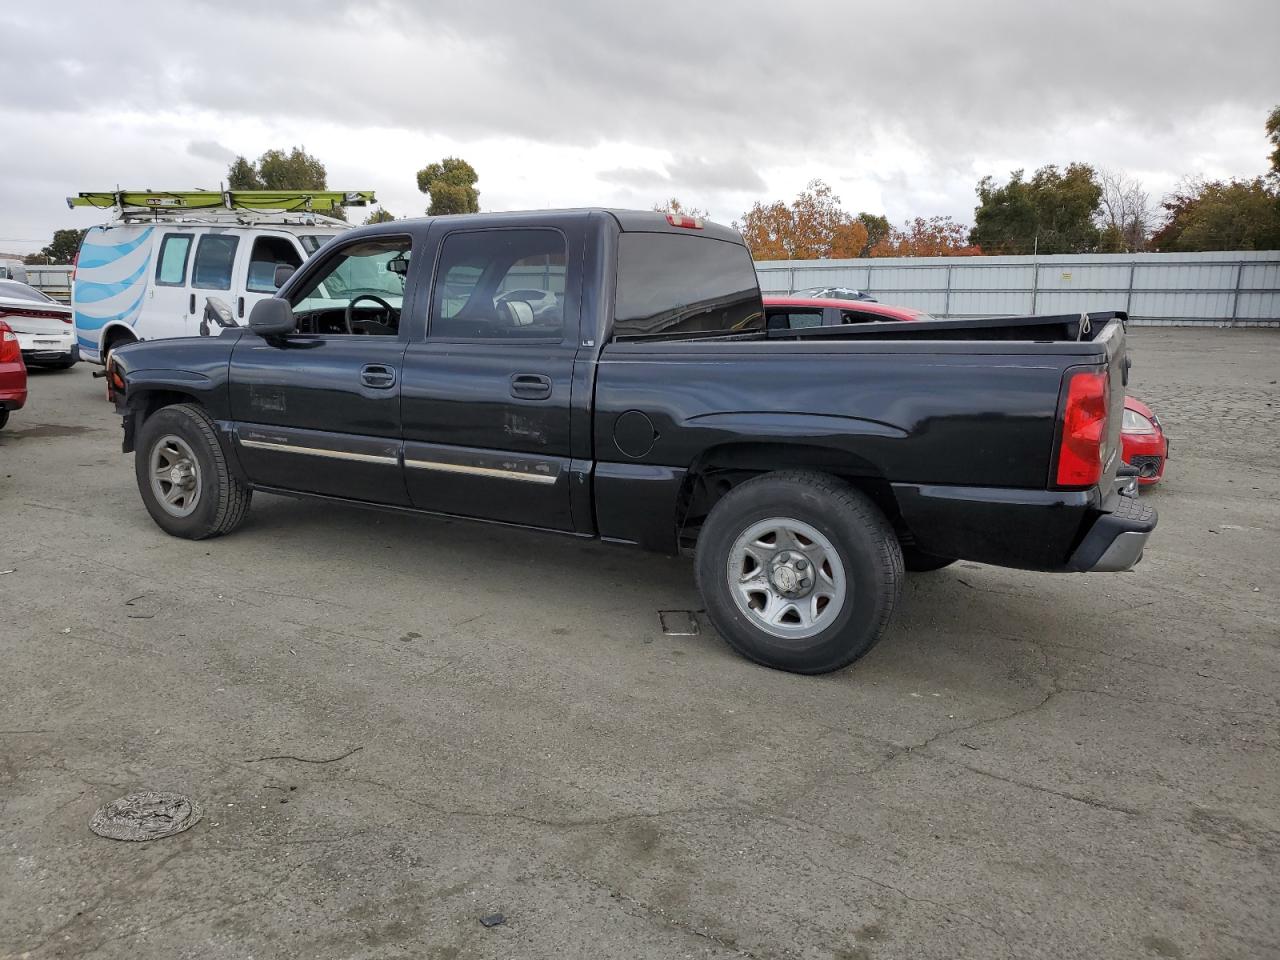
column 1228, row 287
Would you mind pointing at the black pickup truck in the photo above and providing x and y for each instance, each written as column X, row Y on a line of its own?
column 608, row 374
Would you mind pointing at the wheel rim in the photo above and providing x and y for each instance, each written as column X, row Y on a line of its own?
column 787, row 578
column 175, row 476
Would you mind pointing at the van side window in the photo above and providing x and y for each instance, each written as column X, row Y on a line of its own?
column 215, row 256
column 269, row 253
column 171, row 269
column 500, row 284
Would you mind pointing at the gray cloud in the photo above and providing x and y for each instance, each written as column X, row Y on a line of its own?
column 210, row 150
column 902, row 105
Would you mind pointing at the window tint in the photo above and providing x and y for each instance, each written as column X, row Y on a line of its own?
column 269, row 253
column 171, row 270
column 215, row 256
column 793, row 319
column 500, row 284
column 674, row 284
column 359, row 289
column 311, row 242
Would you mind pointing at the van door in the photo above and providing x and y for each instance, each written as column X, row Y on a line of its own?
column 215, row 272
column 263, row 255
column 168, row 311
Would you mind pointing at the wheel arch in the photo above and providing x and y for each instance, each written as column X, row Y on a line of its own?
column 720, row 468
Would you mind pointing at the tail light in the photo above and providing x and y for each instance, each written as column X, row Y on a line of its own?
column 1084, row 429
column 9, row 349
column 35, row 313
column 680, row 220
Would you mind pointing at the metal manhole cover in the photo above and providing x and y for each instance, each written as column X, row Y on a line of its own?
column 146, row 816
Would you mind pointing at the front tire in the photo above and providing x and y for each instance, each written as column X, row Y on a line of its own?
column 799, row 571
column 4, row 418
column 183, row 476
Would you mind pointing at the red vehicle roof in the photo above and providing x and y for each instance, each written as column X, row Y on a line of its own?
column 888, row 311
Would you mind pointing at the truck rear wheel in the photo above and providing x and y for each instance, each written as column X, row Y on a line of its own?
column 183, row 476
column 799, row 571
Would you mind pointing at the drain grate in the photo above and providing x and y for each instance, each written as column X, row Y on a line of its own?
column 146, row 816
column 678, row 623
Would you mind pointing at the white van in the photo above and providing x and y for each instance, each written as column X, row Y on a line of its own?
column 152, row 272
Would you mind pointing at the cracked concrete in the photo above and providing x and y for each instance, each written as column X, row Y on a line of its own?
column 1028, row 766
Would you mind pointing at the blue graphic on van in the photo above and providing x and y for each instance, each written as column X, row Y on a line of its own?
column 91, row 291
column 86, row 322
column 99, row 255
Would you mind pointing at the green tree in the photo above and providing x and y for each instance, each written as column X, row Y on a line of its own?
column 62, row 249
column 280, row 170
column 878, row 231
column 1053, row 212
column 1273, row 136
column 1220, row 215
column 379, row 215
column 451, row 183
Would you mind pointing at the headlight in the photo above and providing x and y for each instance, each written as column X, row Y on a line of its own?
column 1135, row 422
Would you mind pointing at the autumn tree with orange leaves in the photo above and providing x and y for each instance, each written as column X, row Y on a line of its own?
column 934, row 237
column 813, row 227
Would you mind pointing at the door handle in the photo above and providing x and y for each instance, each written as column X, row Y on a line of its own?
column 192, row 309
column 378, row 375
column 530, row 386
column 240, row 308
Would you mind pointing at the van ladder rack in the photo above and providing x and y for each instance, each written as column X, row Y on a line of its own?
column 131, row 203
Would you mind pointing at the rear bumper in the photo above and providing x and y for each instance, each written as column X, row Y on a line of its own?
column 1116, row 540
column 13, row 386
column 1055, row 531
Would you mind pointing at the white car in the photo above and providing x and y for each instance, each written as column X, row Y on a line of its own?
column 45, row 328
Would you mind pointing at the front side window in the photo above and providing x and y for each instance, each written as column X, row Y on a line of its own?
column 171, row 271
column 269, row 253
column 215, row 258
column 670, row 283
column 359, row 290
column 500, row 285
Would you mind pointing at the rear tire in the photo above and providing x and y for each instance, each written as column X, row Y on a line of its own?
column 799, row 571
column 917, row 561
column 183, row 476
column 4, row 418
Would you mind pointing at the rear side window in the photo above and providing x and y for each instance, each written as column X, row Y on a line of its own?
column 215, row 256
column 674, row 284
column 171, row 270
column 794, row 319
column 500, row 285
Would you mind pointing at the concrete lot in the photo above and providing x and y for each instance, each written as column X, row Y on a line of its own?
column 1028, row 766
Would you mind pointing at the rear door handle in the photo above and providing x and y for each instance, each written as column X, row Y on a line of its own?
column 378, row 375
column 530, row 386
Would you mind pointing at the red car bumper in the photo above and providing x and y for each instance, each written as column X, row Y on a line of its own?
column 1145, row 446
column 13, row 385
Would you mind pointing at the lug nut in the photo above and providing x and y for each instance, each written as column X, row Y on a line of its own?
column 801, row 564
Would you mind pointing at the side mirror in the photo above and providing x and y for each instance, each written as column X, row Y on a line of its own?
column 216, row 314
column 283, row 272
column 272, row 318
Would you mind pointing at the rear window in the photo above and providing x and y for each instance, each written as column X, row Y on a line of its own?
column 20, row 291
column 674, row 284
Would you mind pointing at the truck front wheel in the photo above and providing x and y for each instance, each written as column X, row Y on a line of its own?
column 799, row 571
column 183, row 476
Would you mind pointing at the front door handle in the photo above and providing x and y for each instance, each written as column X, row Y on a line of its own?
column 530, row 386
column 378, row 375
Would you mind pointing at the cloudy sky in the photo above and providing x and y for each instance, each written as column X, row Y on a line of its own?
column 900, row 106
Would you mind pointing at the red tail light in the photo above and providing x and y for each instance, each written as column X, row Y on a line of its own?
column 34, row 312
column 9, row 349
column 680, row 220
column 1084, row 429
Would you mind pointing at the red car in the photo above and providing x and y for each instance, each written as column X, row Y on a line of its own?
column 1144, row 443
column 13, row 374
column 788, row 312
